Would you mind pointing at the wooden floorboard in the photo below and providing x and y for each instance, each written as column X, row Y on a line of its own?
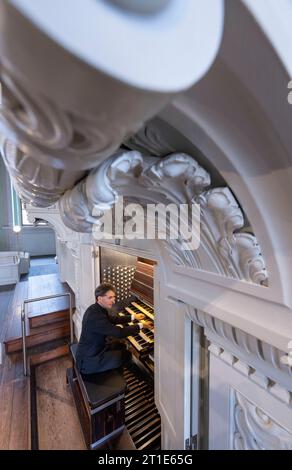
column 20, row 417
column 14, row 387
column 58, row 424
column 50, row 355
column 14, row 406
column 6, row 297
column 42, row 286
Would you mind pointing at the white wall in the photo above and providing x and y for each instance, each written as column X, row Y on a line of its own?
column 38, row 241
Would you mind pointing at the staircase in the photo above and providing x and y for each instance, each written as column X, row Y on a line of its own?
column 46, row 322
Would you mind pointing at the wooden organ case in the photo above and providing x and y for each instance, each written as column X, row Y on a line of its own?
column 135, row 294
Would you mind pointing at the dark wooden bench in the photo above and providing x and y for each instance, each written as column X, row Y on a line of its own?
column 99, row 400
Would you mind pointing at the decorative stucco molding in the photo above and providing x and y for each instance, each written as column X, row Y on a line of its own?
column 240, row 343
column 240, row 252
column 51, row 135
column 282, row 393
column 52, row 216
column 150, row 139
column 175, row 179
column 254, row 429
column 35, row 182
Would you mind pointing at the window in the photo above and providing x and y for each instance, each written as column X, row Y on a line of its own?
column 24, row 217
column 16, row 208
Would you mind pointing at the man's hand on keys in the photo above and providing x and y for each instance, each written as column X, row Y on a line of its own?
column 147, row 324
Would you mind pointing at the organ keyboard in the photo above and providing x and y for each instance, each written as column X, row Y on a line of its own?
column 142, row 344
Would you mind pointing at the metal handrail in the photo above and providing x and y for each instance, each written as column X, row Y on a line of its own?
column 23, row 325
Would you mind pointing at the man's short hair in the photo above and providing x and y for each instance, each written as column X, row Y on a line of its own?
column 103, row 288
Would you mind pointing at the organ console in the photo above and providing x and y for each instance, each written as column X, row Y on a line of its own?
column 117, row 408
column 136, row 295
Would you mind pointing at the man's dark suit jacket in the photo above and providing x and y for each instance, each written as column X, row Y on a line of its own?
column 96, row 326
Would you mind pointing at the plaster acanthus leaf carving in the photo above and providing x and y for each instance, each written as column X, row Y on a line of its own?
column 113, row 178
column 255, row 429
column 149, row 139
column 96, row 194
column 175, row 179
column 75, row 210
column 240, row 252
column 179, row 177
column 139, row 180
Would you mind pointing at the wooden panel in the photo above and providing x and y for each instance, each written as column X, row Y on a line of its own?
column 143, row 292
column 48, row 318
column 144, row 278
column 82, row 411
column 50, row 355
column 99, row 424
column 39, row 336
column 142, row 284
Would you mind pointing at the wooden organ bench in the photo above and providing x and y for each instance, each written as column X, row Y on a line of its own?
column 99, row 399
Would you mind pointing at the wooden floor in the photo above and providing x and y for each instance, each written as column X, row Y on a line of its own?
column 6, row 296
column 15, row 410
column 14, row 388
column 58, row 424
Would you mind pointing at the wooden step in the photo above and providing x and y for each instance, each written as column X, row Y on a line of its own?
column 48, row 318
column 39, row 335
column 55, row 309
column 50, row 355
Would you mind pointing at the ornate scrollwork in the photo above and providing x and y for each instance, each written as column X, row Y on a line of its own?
column 240, row 252
column 150, row 139
column 255, row 429
column 35, row 182
column 176, row 179
column 51, row 135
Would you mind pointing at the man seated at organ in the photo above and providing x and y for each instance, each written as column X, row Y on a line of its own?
column 94, row 354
